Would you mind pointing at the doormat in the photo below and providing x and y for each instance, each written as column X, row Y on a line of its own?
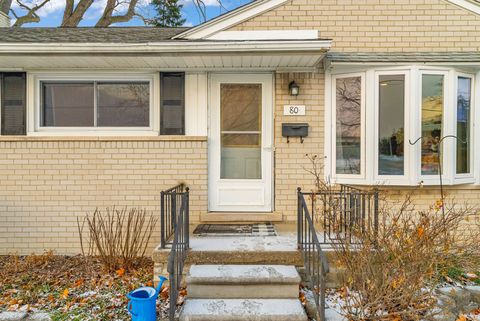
column 264, row 229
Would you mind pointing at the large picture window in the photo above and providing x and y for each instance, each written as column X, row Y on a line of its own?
column 398, row 125
column 95, row 104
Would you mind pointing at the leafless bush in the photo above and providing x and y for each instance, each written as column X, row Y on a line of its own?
column 117, row 236
column 391, row 274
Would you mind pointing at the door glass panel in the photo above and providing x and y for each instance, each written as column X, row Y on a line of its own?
column 348, row 125
column 432, row 115
column 464, row 95
column 391, row 124
column 241, row 131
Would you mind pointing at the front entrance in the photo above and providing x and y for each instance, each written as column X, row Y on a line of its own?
column 240, row 143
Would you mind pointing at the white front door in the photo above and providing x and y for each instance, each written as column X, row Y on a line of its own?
column 240, row 143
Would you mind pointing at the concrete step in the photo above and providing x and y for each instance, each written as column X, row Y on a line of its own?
column 243, row 309
column 243, row 282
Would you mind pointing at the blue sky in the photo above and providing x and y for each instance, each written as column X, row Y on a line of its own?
column 51, row 14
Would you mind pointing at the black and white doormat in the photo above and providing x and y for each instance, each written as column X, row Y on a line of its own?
column 263, row 229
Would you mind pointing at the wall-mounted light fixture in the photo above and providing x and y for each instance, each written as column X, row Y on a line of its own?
column 293, row 89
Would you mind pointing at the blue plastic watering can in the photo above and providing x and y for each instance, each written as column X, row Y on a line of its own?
column 143, row 302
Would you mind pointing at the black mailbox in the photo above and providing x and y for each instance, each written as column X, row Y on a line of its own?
column 295, row 130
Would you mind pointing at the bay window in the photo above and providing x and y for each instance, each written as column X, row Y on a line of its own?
column 388, row 125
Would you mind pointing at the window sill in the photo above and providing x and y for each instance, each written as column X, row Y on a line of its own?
column 433, row 183
column 100, row 138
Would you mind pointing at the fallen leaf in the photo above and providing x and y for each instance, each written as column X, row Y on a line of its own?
column 65, row 294
column 120, row 272
column 462, row 318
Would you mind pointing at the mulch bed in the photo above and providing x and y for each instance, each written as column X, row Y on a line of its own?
column 71, row 287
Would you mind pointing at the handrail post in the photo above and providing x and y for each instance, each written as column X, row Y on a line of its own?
column 174, row 209
column 187, row 216
column 299, row 217
column 162, row 220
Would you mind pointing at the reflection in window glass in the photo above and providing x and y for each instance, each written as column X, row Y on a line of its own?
column 68, row 104
column 432, row 115
column 463, row 124
column 123, row 104
column 348, row 125
column 391, row 125
column 241, row 131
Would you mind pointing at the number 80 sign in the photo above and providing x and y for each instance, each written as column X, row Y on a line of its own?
column 294, row 110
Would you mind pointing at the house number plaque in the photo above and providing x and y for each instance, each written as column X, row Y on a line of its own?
column 294, row 110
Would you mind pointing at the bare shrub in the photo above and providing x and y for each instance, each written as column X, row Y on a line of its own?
column 391, row 274
column 117, row 236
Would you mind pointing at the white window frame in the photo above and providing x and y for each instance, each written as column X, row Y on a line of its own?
column 392, row 179
column 447, row 114
column 351, row 177
column 34, row 114
column 465, row 178
column 413, row 130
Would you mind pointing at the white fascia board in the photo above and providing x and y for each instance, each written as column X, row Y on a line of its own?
column 230, row 19
column 176, row 47
column 466, row 4
column 307, row 34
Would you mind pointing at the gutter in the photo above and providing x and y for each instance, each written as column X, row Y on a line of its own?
column 172, row 47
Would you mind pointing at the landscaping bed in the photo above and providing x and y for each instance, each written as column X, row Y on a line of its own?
column 71, row 287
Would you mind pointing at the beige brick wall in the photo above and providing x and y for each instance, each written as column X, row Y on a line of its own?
column 358, row 26
column 378, row 25
column 46, row 183
column 290, row 159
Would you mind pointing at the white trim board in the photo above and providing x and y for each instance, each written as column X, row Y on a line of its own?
column 172, row 48
column 255, row 8
column 266, row 35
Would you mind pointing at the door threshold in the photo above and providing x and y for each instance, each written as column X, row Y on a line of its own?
column 243, row 217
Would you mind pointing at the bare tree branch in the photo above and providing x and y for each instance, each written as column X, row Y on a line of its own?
column 108, row 18
column 30, row 16
column 72, row 15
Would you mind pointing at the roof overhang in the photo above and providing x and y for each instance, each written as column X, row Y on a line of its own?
column 469, row 59
column 175, row 55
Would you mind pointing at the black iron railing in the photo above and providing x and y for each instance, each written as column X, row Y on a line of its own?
column 180, row 246
column 315, row 260
column 170, row 202
column 343, row 211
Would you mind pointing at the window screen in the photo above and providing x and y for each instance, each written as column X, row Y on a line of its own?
column 172, row 113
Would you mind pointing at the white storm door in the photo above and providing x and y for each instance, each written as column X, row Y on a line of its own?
column 240, row 143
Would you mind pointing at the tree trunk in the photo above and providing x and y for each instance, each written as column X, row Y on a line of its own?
column 108, row 18
column 72, row 15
